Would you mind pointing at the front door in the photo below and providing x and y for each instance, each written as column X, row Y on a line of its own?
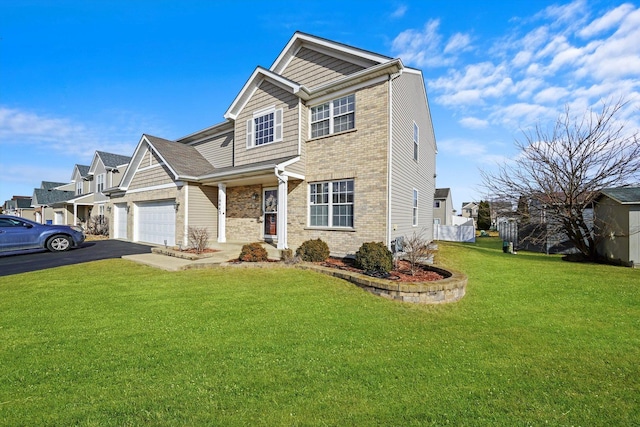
column 270, row 209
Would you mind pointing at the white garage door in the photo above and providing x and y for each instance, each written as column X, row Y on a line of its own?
column 155, row 222
column 120, row 221
column 59, row 218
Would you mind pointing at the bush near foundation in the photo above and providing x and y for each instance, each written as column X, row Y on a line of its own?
column 253, row 252
column 374, row 257
column 313, row 251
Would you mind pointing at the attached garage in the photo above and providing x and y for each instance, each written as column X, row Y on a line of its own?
column 120, row 221
column 155, row 222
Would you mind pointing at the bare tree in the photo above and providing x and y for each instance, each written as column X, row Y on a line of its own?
column 561, row 171
column 417, row 249
column 198, row 238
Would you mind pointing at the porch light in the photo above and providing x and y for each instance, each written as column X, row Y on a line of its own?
column 254, row 196
column 109, row 208
column 176, row 205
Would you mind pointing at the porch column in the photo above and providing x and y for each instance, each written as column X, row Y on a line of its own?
column 75, row 214
column 282, row 212
column 222, row 212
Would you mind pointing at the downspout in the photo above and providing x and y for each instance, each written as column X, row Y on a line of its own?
column 392, row 77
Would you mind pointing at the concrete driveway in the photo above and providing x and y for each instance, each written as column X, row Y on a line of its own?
column 89, row 251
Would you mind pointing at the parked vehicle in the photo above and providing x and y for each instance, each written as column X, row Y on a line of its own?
column 19, row 234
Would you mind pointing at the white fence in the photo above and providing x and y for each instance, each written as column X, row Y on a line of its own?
column 454, row 233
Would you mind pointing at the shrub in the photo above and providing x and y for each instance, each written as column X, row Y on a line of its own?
column 253, row 252
column 417, row 249
column 198, row 238
column 313, row 251
column 98, row 226
column 374, row 256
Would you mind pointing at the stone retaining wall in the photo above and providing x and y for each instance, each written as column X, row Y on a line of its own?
column 450, row 289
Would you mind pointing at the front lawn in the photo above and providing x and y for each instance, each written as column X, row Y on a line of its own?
column 536, row 340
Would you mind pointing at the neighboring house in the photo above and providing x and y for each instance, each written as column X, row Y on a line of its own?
column 470, row 210
column 442, row 207
column 618, row 209
column 46, row 197
column 19, row 206
column 330, row 142
column 89, row 184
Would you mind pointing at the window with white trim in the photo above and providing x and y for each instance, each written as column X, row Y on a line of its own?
column 79, row 187
column 415, row 207
column 416, row 141
column 264, row 127
column 331, row 204
column 436, row 203
column 335, row 116
column 100, row 183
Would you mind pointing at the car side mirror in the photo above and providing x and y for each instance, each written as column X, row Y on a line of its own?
column 27, row 225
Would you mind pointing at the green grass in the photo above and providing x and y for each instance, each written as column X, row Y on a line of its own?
column 535, row 341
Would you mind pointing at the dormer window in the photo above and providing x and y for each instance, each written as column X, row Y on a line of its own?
column 334, row 116
column 79, row 187
column 265, row 127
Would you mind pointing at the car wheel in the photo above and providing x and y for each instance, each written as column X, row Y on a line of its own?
column 58, row 243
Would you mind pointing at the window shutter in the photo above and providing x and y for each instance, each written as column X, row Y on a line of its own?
column 278, row 125
column 249, row 133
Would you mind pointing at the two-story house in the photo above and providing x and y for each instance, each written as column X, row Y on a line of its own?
column 89, row 184
column 330, row 142
column 44, row 199
column 443, row 207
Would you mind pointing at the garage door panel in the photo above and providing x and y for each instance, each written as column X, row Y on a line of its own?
column 156, row 222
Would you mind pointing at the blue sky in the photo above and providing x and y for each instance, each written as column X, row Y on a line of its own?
column 80, row 76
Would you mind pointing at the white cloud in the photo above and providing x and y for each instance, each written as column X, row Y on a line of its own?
column 423, row 48
column 473, row 123
column 551, row 95
column 399, row 12
column 457, row 43
column 607, row 21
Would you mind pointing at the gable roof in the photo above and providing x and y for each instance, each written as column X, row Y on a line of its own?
column 109, row 160
column 183, row 160
column 441, row 193
column 48, row 185
column 623, row 195
column 345, row 52
column 374, row 66
column 45, row 197
column 83, row 170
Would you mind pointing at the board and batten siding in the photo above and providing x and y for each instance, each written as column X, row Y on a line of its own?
column 203, row 210
column 268, row 95
column 218, row 150
column 311, row 68
column 409, row 104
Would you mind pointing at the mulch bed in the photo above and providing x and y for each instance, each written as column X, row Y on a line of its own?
column 401, row 273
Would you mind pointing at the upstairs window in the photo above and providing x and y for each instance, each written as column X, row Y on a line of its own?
column 79, row 187
column 264, row 128
column 100, row 183
column 436, row 203
column 416, row 141
column 334, row 116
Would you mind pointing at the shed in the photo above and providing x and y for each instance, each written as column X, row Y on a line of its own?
column 618, row 212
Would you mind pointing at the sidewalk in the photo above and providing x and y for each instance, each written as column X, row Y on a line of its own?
column 226, row 252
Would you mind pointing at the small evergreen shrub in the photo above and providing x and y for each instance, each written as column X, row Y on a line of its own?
column 253, row 252
column 313, row 251
column 374, row 256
